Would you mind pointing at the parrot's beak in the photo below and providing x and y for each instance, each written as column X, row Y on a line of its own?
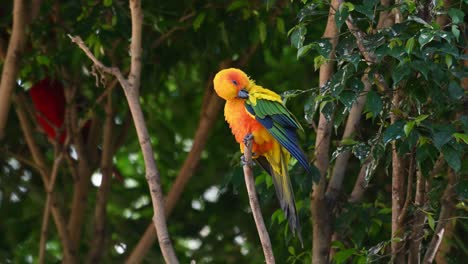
column 243, row 94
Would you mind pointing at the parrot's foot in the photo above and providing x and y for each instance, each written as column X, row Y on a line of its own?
column 248, row 139
column 244, row 162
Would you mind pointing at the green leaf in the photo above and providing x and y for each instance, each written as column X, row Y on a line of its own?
column 259, row 179
column 327, row 108
column 400, row 72
column 455, row 91
column 456, row 31
column 319, row 61
column 452, row 156
column 441, row 138
column 420, row 118
column 393, row 132
column 342, row 255
column 236, row 5
column 107, row 3
column 448, row 60
column 409, row 127
column 262, row 31
column 303, row 50
column 298, row 36
column 347, row 98
column 431, row 221
column 199, row 20
column 43, row 60
column 291, row 250
column 457, row 15
column 410, row 43
column 341, row 15
column 280, row 25
column 373, row 103
column 425, row 37
column 461, row 137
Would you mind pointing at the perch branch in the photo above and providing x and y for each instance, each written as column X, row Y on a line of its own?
column 255, row 205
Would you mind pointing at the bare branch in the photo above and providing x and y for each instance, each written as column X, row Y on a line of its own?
column 11, row 65
column 109, row 70
column 255, row 205
column 97, row 245
column 46, row 214
column 131, row 89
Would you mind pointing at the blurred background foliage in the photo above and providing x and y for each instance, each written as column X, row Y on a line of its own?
column 183, row 45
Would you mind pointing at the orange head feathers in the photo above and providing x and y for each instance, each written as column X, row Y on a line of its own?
column 228, row 82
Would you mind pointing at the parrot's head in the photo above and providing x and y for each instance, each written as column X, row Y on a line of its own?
column 228, row 83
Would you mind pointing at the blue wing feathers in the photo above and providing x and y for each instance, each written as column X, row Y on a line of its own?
column 282, row 128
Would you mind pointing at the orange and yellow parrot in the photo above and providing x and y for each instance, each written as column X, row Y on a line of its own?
column 253, row 111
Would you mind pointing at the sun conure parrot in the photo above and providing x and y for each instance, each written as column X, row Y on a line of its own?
column 253, row 111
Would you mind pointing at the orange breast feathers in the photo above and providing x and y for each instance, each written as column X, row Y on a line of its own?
column 242, row 124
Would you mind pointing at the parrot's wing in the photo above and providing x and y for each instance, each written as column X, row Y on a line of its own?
column 282, row 125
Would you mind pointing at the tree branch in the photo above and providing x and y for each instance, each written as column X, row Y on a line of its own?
column 255, row 205
column 98, row 242
column 321, row 216
column 49, row 189
column 60, row 223
column 131, row 90
column 11, row 65
column 397, row 189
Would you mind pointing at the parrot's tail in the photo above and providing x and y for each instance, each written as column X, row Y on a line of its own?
column 278, row 170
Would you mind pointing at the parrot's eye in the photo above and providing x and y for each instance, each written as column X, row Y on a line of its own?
column 234, row 82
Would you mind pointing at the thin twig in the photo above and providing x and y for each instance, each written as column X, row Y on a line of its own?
column 46, row 214
column 97, row 248
column 110, row 70
column 255, row 205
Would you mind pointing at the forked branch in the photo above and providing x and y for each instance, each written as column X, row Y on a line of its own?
column 131, row 89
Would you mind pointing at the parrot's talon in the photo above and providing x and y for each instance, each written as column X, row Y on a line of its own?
column 248, row 139
column 244, row 162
